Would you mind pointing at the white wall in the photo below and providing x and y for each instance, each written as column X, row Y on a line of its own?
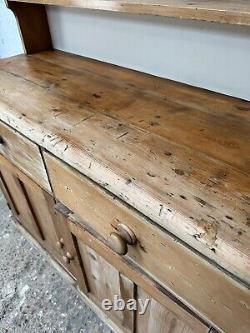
column 208, row 55
column 10, row 41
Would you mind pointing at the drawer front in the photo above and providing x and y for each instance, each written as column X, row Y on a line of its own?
column 24, row 154
column 210, row 292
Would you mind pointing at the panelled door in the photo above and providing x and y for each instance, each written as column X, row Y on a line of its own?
column 105, row 282
column 29, row 203
column 34, row 209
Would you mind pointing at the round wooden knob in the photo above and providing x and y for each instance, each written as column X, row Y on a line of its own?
column 69, row 256
column 117, row 243
column 120, row 240
column 126, row 233
column 66, row 259
column 60, row 243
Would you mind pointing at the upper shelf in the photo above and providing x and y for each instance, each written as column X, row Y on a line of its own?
column 231, row 11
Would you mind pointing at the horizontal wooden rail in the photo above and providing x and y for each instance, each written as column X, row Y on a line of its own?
column 231, row 12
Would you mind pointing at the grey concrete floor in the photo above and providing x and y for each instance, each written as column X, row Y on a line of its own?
column 33, row 296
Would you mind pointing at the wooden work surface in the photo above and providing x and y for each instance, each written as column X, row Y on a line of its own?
column 179, row 155
column 231, row 11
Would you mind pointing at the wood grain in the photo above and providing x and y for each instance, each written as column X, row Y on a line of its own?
column 197, row 283
column 232, row 11
column 197, row 327
column 33, row 26
column 64, row 235
column 142, row 145
column 8, row 196
column 33, row 207
column 24, row 154
column 104, row 282
column 157, row 318
column 25, row 214
column 69, row 279
column 92, row 240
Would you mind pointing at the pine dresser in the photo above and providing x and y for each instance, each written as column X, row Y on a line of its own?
column 135, row 186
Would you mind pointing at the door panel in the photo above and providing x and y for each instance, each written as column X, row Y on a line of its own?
column 97, row 270
column 23, row 210
column 34, row 209
column 158, row 318
column 67, row 244
column 98, row 257
column 24, row 154
column 105, row 282
column 8, row 196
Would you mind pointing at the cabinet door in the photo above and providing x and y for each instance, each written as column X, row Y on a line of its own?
column 34, row 209
column 18, row 195
column 105, row 282
column 102, row 280
column 67, row 244
column 157, row 318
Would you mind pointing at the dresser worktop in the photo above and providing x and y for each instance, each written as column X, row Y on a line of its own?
column 177, row 154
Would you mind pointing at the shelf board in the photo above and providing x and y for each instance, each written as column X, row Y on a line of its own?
column 231, row 12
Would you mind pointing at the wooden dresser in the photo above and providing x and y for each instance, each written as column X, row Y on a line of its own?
column 136, row 186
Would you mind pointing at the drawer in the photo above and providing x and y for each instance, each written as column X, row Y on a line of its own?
column 24, row 154
column 209, row 291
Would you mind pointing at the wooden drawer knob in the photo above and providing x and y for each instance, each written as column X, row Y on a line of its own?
column 119, row 241
column 66, row 259
column 69, row 256
column 60, row 243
